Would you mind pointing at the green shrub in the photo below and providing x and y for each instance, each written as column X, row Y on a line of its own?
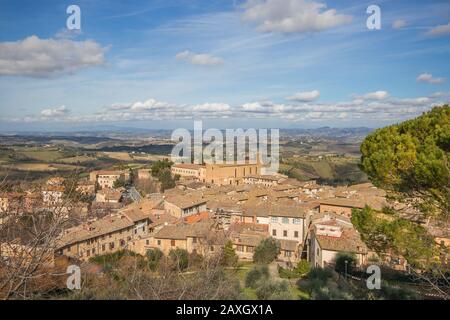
column 229, row 256
column 180, row 258
column 195, row 259
column 394, row 293
column 109, row 261
column 153, row 258
column 300, row 270
column 303, row 267
column 345, row 262
column 267, row 251
column 256, row 274
column 273, row 290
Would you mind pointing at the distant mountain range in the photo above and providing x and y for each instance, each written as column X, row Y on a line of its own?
column 116, row 132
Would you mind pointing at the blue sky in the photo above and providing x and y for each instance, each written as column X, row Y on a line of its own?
column 252, row 63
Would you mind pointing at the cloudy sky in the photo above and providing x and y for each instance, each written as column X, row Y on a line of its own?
column 242, row 63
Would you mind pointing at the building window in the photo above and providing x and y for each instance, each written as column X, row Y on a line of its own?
column 211, row 248
column 88, row 253
column 147, row 242
column 172, row 243
column 274, row 219
column 296, row 221
column 284, row 233
column 93, row 250
column 194, row 240
column 285, row 220
column 274, row 232
column 287, row 254
column 295, row 234
column 159, row 242
column 111, row 245
column 122, row 243
column 103, row 247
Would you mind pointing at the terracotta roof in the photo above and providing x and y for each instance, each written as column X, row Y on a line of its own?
column 349, row 241
column 285, row 187
column 343, row 202
column 263, row 177
column 94, row 229
column 292, row 181
column 147, row 205
column 257, row 209
column 111, row 194
column 325, row 216
column 246, row 226
column 375, row 202
column 185, row 201
column 287, row 211
column 196, row 217
column 225, row 203
column 135, row 214
column 265, row 209
column 159, row 219
column 109, row 172
column 187, row 166
column 248, row 238
column 182, row 231
column 194, row 185
column 288, row 245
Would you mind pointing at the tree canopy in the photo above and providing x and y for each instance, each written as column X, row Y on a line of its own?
column 399, row 236
column 161, row 170
column 266, row 251
column 160, row 166
column 412, row 156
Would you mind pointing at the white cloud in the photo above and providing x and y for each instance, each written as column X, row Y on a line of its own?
column 150, row 104
column 440, row 94
column 377, row 105
column 421, row 101
column 374, row 106
column 65, row 33
column 428, row 77
column 139, row 106
column 212, row 107
column 55, row 112
column 377, row 95
column 441, row 30
column 305, row 96
column 260, row 107
column 292, row 15
column 398, row 24
column 36, row 57
column 202, row 59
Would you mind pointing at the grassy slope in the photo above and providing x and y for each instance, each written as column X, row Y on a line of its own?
column 245, row 267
